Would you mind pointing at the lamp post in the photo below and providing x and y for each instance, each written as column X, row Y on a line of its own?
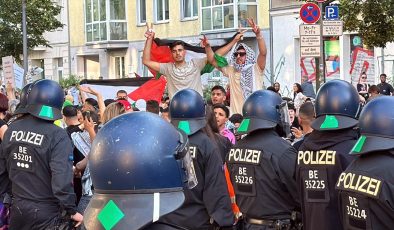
column 24, row 31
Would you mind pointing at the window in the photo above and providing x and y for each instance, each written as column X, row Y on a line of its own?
column 227, row 14
column 105, row 20
column 189, row 9
column 162, row 12
column 119, row 67
column 141, row 11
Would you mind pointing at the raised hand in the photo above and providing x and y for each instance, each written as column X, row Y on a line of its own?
column 88, row 90
column 149, row 34
column 204, row 41
column 255, row 28
column 240, row 34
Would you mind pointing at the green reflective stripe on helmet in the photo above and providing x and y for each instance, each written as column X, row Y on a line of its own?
column 184, row 126
column 46, row 111
column 330, row 122
column 110, row 215
column 359, row 145
column 244, row 126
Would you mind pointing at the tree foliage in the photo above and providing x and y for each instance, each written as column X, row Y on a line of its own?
column 372, row 19
column 40, row 16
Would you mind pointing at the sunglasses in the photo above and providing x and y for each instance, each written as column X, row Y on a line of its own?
column 363, row 77
column 241, row 54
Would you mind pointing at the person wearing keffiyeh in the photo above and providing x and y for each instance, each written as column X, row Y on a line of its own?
column 244, row 71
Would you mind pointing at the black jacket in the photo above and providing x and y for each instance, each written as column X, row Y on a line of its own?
column 321, row 159
column 261, row 167
column 210, row 198
column 366, row 192
column 39, row 159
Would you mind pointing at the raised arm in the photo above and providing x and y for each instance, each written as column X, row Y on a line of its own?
column 262, row 57
column 150, row 35
column 225, row 49
column 209, row 52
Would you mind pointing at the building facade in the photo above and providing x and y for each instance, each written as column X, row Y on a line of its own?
column 53, row 60
column 107, row 36
column 345, row 56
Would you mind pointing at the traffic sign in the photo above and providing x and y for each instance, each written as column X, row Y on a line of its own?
column 332, row 28
column 310, row 41
column 310, row 51
column 332, row 13
column 309, row 30
column 310, row 13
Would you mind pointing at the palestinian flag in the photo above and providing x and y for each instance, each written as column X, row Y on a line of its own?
column 160, row 52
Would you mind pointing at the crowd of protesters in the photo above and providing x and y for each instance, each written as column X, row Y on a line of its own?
column 84, row 116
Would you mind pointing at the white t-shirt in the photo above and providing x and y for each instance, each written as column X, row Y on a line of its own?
column 184, row 77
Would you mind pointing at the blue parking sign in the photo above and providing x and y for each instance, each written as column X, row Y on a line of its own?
column 332, row 13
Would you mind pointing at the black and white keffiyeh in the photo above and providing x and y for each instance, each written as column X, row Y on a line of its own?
column 246, row 69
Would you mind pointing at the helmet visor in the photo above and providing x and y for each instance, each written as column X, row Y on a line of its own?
column 183, row 155
column 284, row 118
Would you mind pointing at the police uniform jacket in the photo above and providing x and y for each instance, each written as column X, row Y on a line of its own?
column 321, row 159
column 210, row 198
column 39, row 163
column 262, row 167
column 366, row 192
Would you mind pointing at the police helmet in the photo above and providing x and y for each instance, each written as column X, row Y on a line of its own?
column 187, row 111
column 21, row 107
column 376, row 126
column 261, row 110
column 139, row 164
column 336, row 106
column 45, row 100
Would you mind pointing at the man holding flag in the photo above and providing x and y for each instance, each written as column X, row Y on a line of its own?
column 180, row 74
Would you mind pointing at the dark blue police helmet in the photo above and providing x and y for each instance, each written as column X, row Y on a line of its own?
column 138, row 171
column 376, row 126
column 187, row 111
column 21, row 107
column 337, row 106
column 261, row 111
column 45, row 100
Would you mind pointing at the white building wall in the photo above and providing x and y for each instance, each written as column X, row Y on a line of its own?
column 286, row 49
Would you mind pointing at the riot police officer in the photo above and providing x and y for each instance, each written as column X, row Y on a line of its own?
column 208, row 205
column 366, row 187
column 324, row 154
column 139, row 164
column 262, row 164
column 39, row 165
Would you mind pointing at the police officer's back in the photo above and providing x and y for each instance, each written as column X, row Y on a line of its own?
column 39, row 162
column 208, row 204
column 324, row 154
column 139, row 165
column 366, row 187
column 262, row 164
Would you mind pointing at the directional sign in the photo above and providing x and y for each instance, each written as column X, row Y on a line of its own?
column 332, row 12
column 310, row 13
column 332, row 28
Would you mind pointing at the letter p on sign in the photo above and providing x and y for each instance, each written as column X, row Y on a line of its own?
column 332, row 13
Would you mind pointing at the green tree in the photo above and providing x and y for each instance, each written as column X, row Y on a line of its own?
column 40, row 17
column 372, row 19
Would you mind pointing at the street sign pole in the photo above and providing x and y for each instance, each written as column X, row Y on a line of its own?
column 322, row 74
